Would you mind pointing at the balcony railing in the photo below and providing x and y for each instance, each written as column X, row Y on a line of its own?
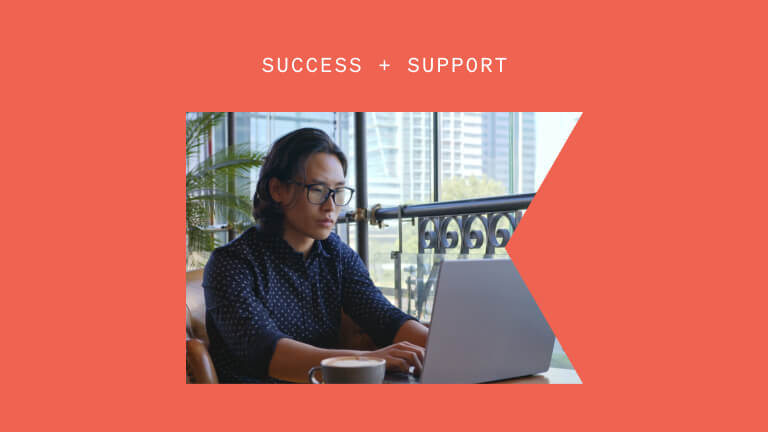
column 444, row 228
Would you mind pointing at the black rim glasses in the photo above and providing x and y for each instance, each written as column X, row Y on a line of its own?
column 318, row 193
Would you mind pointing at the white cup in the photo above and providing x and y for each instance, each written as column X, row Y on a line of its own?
column 349, row 370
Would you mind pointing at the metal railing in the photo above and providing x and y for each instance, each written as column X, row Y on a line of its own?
column 444, row 228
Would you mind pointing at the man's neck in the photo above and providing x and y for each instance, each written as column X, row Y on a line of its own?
column 299, row 243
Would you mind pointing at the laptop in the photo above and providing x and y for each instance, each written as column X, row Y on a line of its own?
column 485, row 327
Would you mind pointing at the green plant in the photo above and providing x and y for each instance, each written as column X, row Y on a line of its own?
column 217, row 185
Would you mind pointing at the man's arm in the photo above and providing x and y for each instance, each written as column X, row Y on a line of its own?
column 292, row 359
column 366, row 305
column 414, row 332
column 239, row 317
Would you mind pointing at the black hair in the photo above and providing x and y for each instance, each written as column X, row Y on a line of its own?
column 287, row 159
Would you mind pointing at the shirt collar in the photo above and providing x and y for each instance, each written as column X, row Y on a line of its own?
column 284, row 246
column 318, row 248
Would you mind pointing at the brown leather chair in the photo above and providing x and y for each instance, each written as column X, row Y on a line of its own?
column 199, row 363
column 200, row 368
column 196, row 305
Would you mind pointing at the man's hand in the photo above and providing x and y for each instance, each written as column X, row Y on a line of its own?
column 401, row 356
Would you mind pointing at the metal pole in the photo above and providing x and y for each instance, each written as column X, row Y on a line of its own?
column 503, row 203
column 361, row 184
column 468, row 206
column 231, row 180
column 436, row 159
column 516, row 125
column 398, row 257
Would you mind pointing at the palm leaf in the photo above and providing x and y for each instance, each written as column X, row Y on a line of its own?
column 218, row 187
column 199, row 126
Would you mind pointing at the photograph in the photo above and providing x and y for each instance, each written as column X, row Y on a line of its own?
column 365, row 247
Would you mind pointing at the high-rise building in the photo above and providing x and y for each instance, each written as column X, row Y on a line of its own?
column 399, row 154
column 500, row 146
column 523, row 160
column 497, row 130
column 461, row 144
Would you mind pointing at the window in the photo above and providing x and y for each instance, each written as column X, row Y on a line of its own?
column 482, row 154
column 399, row 156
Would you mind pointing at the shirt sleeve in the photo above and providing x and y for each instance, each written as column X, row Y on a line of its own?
column 246, row 329
column 365, row 303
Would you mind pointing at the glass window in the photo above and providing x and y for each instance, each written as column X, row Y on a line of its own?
column 475, row 154
column 399, row 156
column 498, row 153
column 345, row 138
column 258, row 130
column 209, row 142
column 482, row 154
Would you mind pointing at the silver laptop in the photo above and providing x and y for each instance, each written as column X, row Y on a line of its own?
column 485, row 327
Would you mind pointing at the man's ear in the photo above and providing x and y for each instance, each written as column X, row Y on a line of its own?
column 276, row 190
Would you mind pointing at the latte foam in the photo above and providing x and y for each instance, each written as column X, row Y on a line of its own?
column 354, row 362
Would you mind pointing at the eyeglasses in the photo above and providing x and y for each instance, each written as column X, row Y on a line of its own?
column 318, row 193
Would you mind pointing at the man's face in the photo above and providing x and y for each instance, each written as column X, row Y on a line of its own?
column 304, row 219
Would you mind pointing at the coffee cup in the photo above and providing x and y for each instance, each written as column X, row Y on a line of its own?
column 349, row 370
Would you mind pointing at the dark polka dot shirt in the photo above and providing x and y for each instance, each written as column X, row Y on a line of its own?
column 258, row 289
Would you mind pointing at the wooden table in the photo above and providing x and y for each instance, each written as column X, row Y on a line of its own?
column 552, row 376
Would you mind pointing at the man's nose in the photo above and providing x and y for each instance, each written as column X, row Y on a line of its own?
column 330, row 202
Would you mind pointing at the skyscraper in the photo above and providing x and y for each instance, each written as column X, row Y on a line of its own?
column 496, row 146
column 523, row 160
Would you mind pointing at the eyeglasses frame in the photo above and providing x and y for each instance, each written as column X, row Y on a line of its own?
column 331, row 191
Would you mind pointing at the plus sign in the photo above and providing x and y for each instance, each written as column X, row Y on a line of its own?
column 384, row 65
